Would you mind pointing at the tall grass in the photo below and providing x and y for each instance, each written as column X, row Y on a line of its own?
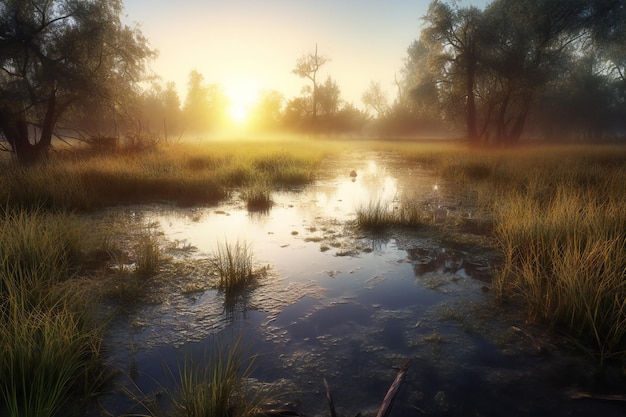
column 212, row 386
column 49, row 342
column 378, row 215
column 560, row 223
column 184, row 173
column 565, row 259
column 233, row 263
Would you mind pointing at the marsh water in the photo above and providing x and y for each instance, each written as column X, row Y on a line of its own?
column 350, row 306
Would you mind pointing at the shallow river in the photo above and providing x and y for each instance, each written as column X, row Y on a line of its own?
column 350, row 307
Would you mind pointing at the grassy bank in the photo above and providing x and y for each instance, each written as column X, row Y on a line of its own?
column 560, row 224
column 50, row 341
column 183, row 173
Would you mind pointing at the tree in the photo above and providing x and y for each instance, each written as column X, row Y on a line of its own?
column 307, row 66
column 328, row 98
column 496, row 66
column 268, row 111
column 196, row 108
column 452, row 38
column 58, row 56
column 375, row 99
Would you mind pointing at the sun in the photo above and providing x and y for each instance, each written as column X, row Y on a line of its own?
column 241, row 92
column 238, row 113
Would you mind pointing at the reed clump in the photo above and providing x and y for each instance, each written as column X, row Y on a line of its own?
column 560, row 224
column 258, row 196
column 234, row 266
column 214, row 385
column 378, row 215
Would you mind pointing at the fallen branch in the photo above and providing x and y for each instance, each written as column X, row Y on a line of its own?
column 329, row 397
column 605, row 397
column 385, row 408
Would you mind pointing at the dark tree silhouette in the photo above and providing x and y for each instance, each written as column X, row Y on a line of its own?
column 58, row 56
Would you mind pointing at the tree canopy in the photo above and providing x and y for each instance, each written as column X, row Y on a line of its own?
column 495, row 68
column 60, row 55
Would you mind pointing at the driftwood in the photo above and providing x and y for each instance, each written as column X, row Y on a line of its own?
column 385, row 408
column 605, row 397
column 384, row 411
column 329, row 397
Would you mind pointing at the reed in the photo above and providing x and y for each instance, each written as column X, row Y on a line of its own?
column 49, row 341
column 214, row 385
column 378, row 215
column 233, row 263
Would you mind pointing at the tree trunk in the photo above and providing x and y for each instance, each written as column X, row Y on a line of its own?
column 470, row 108
column 15, row 129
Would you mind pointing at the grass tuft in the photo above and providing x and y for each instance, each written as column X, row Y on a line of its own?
column 233, row 263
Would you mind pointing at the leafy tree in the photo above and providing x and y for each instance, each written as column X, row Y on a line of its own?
column 375, row 99
column 328, row 98
column 308, row 66
column 452, row 36
column 196, row 108
column 59, row 57
column 205, row 105
column 494, row 67
column 268, row 112
column 159, row 108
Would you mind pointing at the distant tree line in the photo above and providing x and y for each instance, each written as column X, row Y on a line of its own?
column 546, row 69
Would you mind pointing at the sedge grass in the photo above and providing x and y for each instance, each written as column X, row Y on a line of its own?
column 183, row 173
column 378, row 215
column 49, row 341
column 560, row 223
column 234, row 266
column 258, row 196
column 212, row 386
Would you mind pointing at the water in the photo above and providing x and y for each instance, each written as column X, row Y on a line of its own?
column 347, row 306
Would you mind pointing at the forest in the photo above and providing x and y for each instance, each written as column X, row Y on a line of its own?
column 542, row 70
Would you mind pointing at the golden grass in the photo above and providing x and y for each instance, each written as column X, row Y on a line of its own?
column 183, row 173
column 560, row 223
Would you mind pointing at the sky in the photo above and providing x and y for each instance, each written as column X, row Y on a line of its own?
column 251, row 45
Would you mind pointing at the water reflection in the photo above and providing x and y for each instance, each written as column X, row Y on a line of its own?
column 318, row 314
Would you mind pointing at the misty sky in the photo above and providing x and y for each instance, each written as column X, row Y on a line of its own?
column 249, row 45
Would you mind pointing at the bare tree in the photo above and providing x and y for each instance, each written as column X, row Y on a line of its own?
column 307, row 66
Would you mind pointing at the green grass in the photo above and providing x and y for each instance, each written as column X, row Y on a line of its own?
column 211, row 387
column 49, row 341
column 233, row 263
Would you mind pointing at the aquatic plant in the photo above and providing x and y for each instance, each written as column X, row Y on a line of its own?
column 258, row 196
column 378, row 215
column 212, row 386
column 233, row 263
column 148, row 255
